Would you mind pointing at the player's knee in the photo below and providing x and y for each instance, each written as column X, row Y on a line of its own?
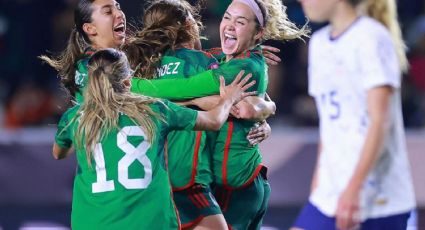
column 213, row 222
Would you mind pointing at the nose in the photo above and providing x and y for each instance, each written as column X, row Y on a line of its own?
column 230, row 25
column 119, row 14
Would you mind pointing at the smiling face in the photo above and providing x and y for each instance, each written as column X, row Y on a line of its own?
column 107, row 29
column 238, row 31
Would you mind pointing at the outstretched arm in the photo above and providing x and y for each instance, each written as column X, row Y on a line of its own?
column 200, row 85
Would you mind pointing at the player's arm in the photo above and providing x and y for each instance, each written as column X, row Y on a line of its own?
column 60, row 152
column 254, row 108
column 213, row 119
column 314, row 179
column 63, row 142
column 200, row 85
column 204, row 103
column 268, row 53
column 378, row 103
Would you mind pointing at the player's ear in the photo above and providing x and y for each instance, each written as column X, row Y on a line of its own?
column 259, row 35
column 89, row 29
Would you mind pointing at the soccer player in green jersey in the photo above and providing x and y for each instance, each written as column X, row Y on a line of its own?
column 242, row 189
column 101, row 24
column 119, row 138
column 164, row 48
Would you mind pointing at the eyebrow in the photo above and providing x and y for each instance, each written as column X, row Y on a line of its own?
column 237, row 17
column 106, row 6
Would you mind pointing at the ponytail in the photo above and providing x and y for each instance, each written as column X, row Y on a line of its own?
column 106, row 97
column 146, row 49
column 385, row 11
column 64, row 63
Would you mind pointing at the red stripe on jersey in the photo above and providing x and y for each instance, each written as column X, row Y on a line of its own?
column 202, row 196
column 201, row 201
column 215, row 51
column 226, row 152
column 252, row 178
column 194, row 200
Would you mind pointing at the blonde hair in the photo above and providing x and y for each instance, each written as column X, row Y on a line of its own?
column 385, row 11
column 106, row 96
column 277, row 24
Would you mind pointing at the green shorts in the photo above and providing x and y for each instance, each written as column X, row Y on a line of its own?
column 244, row 208
column 194, row 204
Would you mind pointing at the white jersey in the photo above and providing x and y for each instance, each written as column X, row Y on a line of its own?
column 341, row 71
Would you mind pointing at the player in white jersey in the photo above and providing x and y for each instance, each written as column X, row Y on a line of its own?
column 362, row 178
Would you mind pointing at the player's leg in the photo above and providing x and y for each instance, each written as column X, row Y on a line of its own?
column 198, row 207
column 264, row 188
column 240, row 206
column 212, row 222
column 312, row 218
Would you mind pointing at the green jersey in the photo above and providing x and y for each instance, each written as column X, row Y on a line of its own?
column 194, row 165
column 235, row 162
column 230, row 146
column 127, row 185
column 183, row 88
column 206, row 83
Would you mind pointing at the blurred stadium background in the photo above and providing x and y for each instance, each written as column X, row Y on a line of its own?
column 35, row 190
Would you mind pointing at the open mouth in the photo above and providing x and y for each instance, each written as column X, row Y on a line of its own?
column 120, row 29
column 229, row 40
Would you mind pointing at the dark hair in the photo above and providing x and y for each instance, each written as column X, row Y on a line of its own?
column 82, row 14
column 164, row 27
column 64, row 62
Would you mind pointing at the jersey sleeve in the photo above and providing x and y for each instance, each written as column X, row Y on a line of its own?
column 200, row 85
column 378, row 62
column 179, row 117
column 63, row 134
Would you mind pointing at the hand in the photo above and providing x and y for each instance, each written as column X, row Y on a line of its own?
column 268, row 53
column 259, row 133
column 236, row 90
column 347, row 213
column 235, row 110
